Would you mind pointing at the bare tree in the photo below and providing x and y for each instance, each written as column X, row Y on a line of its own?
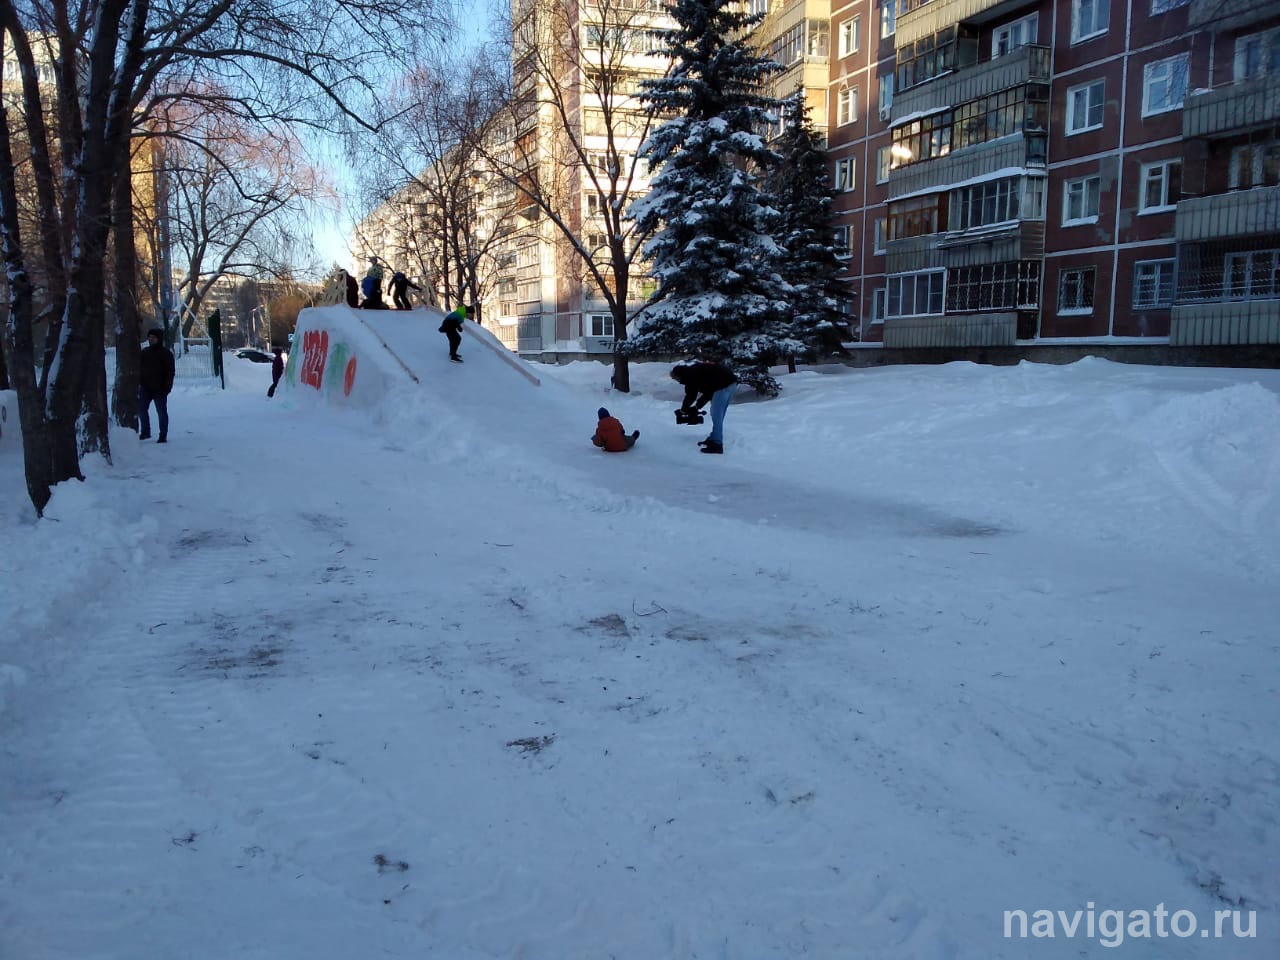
column 572, row 103
column 235, row 193
column 116, row 60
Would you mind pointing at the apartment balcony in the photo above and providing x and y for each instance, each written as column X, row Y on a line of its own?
column 998, row 243
column 1234, row 109
column 1233, row 322
column 913, row 254
column 931, row 17
column 1227, row 215
column 952, row 330
column 970, row 165
column 1029, row 64
column 1224, row 15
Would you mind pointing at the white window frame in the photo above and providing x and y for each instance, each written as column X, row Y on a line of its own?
column 602, row 321
column 1089, row 104
column 878, row 230
column 1079, row 273
column 888, row 18
column 879, row 304
column 1025, row 28
column 1158, row 170
column 1083, row 217
column 1157, row 268
column 1167, row 70
column 846, row 174
column 929, row 279
column 884, row 95
column 840, row 243
column 847, row 106
column 1264, row 40
column 1099, row 13
column 1257, row 157
column 1262, row 264
column 884, row 163
column 851, row 36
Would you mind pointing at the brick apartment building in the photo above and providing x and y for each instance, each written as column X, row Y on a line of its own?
column 1057, row 170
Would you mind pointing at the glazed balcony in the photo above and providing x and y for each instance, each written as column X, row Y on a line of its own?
column 933, row 15
column 1233, row 109
column 952, row 330
column 1029, row 64
column 969, row 165
column 1223, row 15
column 1227, row 215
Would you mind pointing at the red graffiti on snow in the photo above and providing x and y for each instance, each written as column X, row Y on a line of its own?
column 349, row 377
column 315, row 350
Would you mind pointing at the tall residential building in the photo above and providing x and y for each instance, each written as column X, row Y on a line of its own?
column 1051, row 170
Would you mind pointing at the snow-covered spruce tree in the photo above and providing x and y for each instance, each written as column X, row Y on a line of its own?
column 803, row 196
column 711, row 224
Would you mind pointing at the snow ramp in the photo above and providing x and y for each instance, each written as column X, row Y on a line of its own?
column 393, row 366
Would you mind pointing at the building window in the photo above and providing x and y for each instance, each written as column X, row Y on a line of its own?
column 886, row 96
column 1257, row 54
column 994, row 286
column 997, row 201
column 1075, row 291
column 884, row 159
column 1164, row 85
column 846, row 171
column 850, row 36
column 935, row 54
column 758, row 7
column 879, row 304
column 1081, row 198
column 595, row 204
column 917, row 294
column 1153, row 283
column 1254, row 165
column 602, row 325
column 840, row 243
column 923, row 139
column 888, row 17
column 1011, row 36
column 998, row 115
column 1089, row 19
column 1084, row 106
column 1160, row 187
column 879, row 231
column 1164, row 6
column 915, row 217
column 1251, row 276
column 846, row 106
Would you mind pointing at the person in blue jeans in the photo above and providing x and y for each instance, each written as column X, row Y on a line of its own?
column 706, row 382
column 155, row 381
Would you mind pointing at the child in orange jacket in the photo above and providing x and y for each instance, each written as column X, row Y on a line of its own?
column 610, row 435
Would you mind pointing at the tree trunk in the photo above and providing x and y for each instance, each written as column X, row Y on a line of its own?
column 621, row 380
column 19, row 344
column 127, row 324
column 4, row 369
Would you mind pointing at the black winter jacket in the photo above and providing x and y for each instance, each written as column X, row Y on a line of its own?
column 701, row 379
column 155, row 370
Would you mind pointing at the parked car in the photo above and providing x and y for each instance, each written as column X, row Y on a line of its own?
column 250, row 353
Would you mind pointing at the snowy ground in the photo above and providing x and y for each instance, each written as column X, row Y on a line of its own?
column 440, row 679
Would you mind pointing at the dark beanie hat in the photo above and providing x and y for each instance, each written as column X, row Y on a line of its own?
column 156, row 332
column 602, row 413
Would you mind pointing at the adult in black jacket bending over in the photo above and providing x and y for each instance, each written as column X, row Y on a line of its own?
column 706, row 382
column 155, row 380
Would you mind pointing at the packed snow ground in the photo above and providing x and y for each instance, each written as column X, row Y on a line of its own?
column 441, row 679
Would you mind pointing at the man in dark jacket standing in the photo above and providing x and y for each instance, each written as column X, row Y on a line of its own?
column 706, row 382
column 277, row 370
column 399, row 289
column 155, row 380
